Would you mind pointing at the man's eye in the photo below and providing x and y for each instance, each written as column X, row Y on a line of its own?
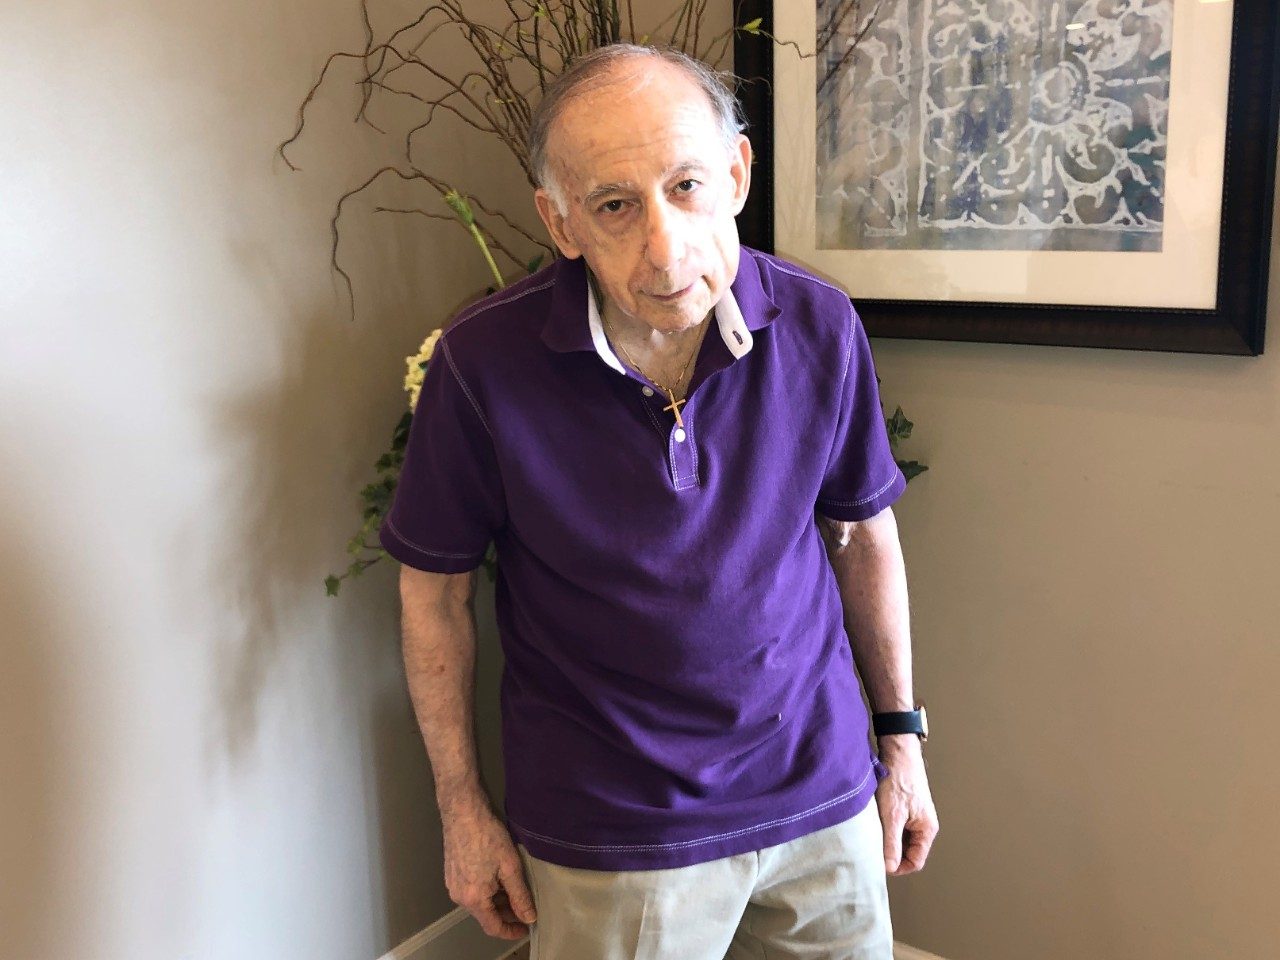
column 683, row 182
column 608, row 206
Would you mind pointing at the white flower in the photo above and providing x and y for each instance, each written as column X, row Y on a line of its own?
column 416, row 363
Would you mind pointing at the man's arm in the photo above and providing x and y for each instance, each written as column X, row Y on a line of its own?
column 439, row 646
column 867, row 559
column 866, row 556
column 483, row 872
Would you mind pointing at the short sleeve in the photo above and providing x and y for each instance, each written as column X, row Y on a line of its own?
column 449, row 500
column 862, row 477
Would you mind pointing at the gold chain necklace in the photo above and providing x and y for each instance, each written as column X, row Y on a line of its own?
column 675, row 404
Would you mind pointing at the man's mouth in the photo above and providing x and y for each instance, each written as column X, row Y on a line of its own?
column 668, row 297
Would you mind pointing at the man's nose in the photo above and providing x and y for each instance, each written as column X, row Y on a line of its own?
column 664, row 244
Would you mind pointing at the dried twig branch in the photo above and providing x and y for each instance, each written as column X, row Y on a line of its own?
column 833, row 69
column 514, row 61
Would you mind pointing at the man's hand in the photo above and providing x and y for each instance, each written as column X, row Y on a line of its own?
column 483, row 871
column 906, row 806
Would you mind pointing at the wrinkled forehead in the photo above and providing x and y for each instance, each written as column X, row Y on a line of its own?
column 636, row 120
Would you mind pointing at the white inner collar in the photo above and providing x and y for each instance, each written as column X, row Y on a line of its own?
column 733, row 329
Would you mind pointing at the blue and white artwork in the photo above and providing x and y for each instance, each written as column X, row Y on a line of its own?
column 992, row 124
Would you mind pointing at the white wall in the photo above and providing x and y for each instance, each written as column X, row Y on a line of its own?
column 203, row 756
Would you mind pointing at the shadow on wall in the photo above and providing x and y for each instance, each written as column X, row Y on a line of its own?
column 43, row 809
column 408, row 829
column 297, row 446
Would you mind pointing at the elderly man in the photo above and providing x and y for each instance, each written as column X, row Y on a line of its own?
column 676, row 444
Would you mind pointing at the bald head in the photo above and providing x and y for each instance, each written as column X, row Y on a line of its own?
column 599, row 78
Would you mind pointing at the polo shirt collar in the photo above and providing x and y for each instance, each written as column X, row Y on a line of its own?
column 574, row 319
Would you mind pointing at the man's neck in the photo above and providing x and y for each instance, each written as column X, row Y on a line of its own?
column 642, row 340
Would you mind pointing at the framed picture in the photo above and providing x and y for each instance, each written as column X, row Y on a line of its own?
column 1091, row 173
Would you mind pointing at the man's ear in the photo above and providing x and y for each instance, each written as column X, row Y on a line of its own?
column 556, row 225
column 740, row 171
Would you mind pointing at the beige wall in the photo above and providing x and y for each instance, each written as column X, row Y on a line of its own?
column 1092, row 560
column 205, row 757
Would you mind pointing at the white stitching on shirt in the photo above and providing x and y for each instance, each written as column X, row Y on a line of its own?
column 448, row 355
column 803, row 276
column 479, row 309
column 844, row 378
column 422, row 549
column 848, row 348
column 864, row 499
column 853, row 316
column 486, row 307
column 690, row 843
column 676, row 479
column 689, row 437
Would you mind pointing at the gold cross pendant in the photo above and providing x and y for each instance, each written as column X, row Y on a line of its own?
column 674, row 407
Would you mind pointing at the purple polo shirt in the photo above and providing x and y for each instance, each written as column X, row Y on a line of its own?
column 678, row 684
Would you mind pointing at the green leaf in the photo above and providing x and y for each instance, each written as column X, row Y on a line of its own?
column 331, row 585
column 911, row 468
column 401, row 433
column 898, row 425
column 753, row 26
column 490, row 563
column 534, row 263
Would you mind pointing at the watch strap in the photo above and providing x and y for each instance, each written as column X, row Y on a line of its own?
column 898, row 721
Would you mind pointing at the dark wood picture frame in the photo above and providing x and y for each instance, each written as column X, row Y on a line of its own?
column 1235, row 326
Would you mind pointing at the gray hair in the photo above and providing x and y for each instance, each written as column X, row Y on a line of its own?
column 589, row 71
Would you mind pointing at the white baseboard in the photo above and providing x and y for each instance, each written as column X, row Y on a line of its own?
column 457, row 936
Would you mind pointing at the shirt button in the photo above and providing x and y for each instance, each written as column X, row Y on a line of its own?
column 680, row 434
column 647, row 391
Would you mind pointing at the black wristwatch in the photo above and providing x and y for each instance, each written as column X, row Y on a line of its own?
column 902, row 721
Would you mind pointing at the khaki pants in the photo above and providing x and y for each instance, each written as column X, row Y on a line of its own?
column 818, row 897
